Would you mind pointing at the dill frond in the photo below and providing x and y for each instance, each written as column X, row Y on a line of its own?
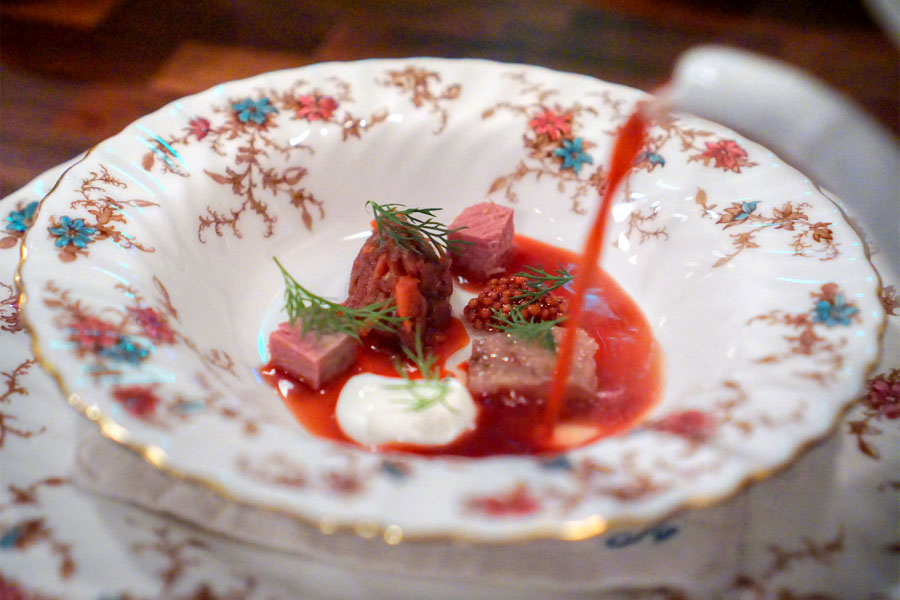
column 425, row 363
column 532, row 332
column 425, row 393
column 415, row 229
column 323, row 316
column 540, row 282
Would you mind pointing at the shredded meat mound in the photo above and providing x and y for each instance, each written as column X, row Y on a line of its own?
column 419, row 282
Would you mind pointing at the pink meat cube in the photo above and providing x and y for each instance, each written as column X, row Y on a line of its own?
column 313, row 359
column 489, row 233
column 501, row 363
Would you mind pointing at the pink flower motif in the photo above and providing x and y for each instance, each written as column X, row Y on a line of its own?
column 884, row 395
column 138, row 400
column 198, row 127
column 154, row 326
column 314, row 108
column 93, row 335
column 553, row 125
column 694, row 425
column 515, row 503
column 727, row 154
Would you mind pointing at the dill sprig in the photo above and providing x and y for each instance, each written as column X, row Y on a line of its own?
column 415, row 229
column 432, row 389
column 532, row 332
column 322, row 316
column 540, row 282
column 425, row 393
column 425, row 363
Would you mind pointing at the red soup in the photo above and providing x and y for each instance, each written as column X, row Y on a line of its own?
column 628, row 366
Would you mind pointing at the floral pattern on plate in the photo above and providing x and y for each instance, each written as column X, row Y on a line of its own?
column 245, row 126
column 556, row 148
column 114, row 342
column 228, row 293
column 71, row 234
column 18, row 220
column 160, row 557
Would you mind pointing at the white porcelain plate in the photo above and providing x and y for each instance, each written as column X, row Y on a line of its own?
column 149, row 289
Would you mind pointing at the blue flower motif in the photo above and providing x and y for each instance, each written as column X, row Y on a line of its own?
column 557, row 463
column 624, row 538
column 656, row 159
column 395, row 469
column 10, row 537
column 746, row 209
column 126, row 350
column 572, row 154
column 190, row 407
column 72, row 232
column 20, row 220
column 836, row 312
column 663, row 532
column 248, row 110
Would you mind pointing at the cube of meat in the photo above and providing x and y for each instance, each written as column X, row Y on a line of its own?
column 489, row 232
column 501, row 363
column 314, row 359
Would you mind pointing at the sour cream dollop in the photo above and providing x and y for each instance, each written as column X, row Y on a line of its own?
column 374, row 410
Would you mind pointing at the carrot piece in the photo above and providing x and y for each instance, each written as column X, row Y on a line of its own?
column 408, row 298
column 381, row 267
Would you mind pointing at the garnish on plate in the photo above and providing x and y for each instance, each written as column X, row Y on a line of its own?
column 322, row 316
column 533, row 332
column 540, row 283
column 529, row 292
column 431, row 389
column 426, row 363
column 415, row 229
column 425, row 393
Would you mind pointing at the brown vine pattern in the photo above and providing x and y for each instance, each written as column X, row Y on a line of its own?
column 353, row 478
column 417, row 82
column 117, row 337
column 182, row 554
column 890, row 300
column 551, row 132
column 129, row 334
column 554, row 150
column 72, row 236
column 640, row 222
column 808, row 237
column 782, row 561
column 665, row 130
column 251, row 121
column 9, row 310
column 830, row 309
column 251, row 177
column 15, row 387
column 28, row 532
